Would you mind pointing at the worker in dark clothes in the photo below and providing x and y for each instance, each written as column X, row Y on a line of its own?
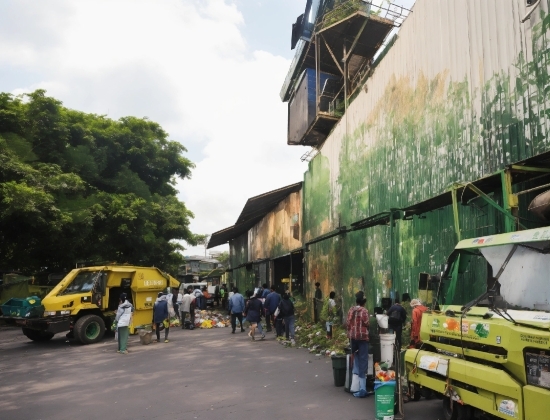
column 317, row 302
column 397, row 315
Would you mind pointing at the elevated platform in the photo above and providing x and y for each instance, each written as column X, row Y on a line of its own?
column 327, row 70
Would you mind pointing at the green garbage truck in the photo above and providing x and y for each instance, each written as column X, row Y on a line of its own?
column 489, row 357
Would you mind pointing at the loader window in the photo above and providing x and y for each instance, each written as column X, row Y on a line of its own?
column 82, row 283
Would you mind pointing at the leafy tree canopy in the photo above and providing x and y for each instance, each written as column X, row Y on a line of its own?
column 83, row 187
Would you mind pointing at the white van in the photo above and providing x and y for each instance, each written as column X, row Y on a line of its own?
column 185, row 286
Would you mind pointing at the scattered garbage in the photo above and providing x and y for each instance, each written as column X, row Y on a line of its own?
column 210, row 319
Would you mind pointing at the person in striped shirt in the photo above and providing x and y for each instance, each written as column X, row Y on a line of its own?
column 358, row 333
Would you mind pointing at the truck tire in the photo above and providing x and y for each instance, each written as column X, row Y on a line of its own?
column 36, row 335
column 457, row 412
column 89, row 329
column 416, row 393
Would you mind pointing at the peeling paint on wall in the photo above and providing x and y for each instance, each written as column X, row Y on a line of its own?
column 278, row 232
column 462, row 93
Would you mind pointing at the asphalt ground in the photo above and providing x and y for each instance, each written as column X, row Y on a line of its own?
column 200, row 374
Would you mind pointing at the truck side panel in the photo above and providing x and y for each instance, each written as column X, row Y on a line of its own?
column 537, row 402
column 490, row 389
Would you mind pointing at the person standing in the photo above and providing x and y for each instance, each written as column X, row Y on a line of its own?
column 286, row 312
column 396, row 318
column 198, row 298
column 205, row 298
column 160, row 314
column 418, row 311
column 358, row 333
column 236, row 308
column 185, row 308
column 317, row 302
column 179, row 298
column 270, row 305
column 223, row 296
column 265, row 291
column 329, row 314
column 123, row 319
column 175, row 303
column 192, row 307
column 231, row 293
column 170, row 302
column 253, row 313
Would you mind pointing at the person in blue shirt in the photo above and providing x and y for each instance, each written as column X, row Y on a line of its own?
column 265, row 291
column 236, row 308
column 160, row 314
column 271, row 302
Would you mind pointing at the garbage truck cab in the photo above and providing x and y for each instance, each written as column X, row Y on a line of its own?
column 85, row 302
column 486, row 350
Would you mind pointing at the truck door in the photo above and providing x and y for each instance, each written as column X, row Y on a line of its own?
column 99, row 289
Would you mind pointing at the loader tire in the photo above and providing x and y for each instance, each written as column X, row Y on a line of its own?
column 35, row 335
column 89, row 329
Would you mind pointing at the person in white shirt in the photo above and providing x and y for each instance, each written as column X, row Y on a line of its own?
column 185, row 308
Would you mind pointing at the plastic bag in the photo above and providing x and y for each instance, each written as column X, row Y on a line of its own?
column 166, row 323
column 116, row 335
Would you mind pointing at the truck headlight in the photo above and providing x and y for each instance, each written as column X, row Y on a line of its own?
column 49, row 313
column 65, row 312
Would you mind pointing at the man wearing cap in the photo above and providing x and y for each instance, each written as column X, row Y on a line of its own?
column 123, row 319
column 358, row 333
column 418, row 310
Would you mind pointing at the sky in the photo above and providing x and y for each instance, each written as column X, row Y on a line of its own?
column 208, row 71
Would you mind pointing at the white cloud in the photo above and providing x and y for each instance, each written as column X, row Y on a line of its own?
column 184, row 64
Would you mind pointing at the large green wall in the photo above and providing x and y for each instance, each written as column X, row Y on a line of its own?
column 423, row 134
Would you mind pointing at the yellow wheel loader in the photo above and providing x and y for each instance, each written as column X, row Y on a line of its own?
column 85, row 302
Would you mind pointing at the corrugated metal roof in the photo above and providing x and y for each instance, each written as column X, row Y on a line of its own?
column 254, row 210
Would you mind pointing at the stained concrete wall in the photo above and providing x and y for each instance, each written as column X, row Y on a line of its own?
column 461, row 94
column 279, row 231
column 275, row 235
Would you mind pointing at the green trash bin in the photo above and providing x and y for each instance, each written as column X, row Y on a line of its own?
column 384, row 400
column 22, row 308
column 339, row 369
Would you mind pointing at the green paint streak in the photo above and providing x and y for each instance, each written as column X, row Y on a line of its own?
column 316, row 196
column 426, row 136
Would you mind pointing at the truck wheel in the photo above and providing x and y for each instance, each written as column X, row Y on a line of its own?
column 457, row 412
column 89, row 329
column 416, row 393
column 36, row 335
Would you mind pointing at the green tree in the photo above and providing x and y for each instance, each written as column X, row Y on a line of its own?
column 83, row 187
column 223, row 258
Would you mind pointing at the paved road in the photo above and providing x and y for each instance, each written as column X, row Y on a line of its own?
column 200, row 374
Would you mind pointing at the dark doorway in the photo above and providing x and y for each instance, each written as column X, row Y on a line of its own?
column 284, row 267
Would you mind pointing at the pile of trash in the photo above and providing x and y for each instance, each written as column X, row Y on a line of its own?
column 383, row 372
column 211, row 319
column 314, row 338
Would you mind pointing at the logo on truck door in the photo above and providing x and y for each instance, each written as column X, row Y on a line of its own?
column 508, row 407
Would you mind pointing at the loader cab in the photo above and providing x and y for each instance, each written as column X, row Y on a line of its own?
column 115, row 292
